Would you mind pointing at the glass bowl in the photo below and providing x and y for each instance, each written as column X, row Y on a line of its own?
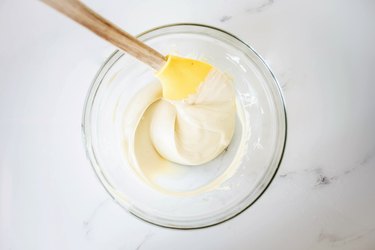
column 193, row 196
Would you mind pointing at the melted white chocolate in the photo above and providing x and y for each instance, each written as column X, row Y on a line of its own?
column 192, row 131
column 195, row 130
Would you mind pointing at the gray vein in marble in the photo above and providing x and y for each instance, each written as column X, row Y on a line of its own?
column 367, row 158
column 87, row 222
column 283, row 86
column 145, row 239
column 225, row 18
column 285, row 79
column 260, row 8
column 336, row 240
column 283, row 82
column 323, row 179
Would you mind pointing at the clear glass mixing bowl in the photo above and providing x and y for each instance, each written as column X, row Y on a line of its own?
column 203, row 195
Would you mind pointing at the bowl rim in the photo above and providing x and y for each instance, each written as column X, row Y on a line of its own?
column 86, row 114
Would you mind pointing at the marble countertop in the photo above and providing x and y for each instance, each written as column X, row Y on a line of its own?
column 323, row 196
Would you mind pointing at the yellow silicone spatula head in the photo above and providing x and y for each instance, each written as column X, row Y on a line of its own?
column 179, row 76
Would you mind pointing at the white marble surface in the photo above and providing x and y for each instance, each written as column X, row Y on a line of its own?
column 323, row 196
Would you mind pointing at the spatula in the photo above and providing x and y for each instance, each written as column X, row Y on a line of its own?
column 179, row 76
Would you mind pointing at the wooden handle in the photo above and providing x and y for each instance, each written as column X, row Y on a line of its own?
column 108, row 31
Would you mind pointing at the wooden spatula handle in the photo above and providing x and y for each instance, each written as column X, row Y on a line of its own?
column 108, row 31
